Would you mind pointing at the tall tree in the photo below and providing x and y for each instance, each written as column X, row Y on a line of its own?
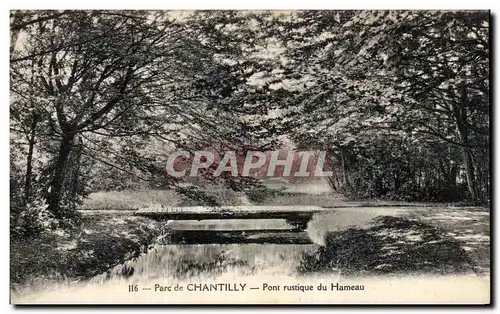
column 101, row 71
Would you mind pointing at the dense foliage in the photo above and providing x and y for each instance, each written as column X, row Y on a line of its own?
column 400, row 99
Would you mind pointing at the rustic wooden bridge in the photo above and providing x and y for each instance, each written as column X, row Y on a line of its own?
column 296, row 216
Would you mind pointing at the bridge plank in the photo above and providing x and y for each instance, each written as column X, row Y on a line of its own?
column 227, row 215
column 232, row 212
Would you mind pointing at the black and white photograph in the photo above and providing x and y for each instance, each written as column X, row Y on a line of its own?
column 250, row 157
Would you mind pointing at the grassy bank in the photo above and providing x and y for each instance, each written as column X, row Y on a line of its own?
column 101, row 242
column 133, row 200
column 390, row 245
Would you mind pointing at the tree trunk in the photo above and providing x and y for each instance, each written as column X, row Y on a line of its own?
column 460, row 114
column 56, row 185
column 29, row 172
column 469, row 170
column 29, row 161
column 397, row 182
column 344, row 172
